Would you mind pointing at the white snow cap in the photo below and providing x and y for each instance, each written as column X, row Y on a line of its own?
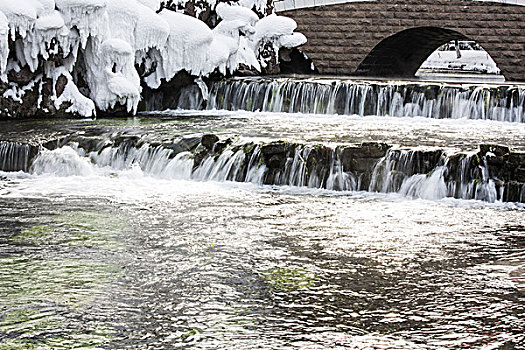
column 274, row 26
column 152, row 4
column 291, row 41
column 20, row 14
column 232, row 13
column 113, row 36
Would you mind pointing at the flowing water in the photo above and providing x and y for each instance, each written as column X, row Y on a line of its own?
column 366, row 98
column 112, row 239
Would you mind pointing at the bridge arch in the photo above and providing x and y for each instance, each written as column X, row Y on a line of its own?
column 401, row 54
column 356, row 37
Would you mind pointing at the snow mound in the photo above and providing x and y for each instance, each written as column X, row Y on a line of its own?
column 79, row 104
column 152, row 4
column 273, row 26
column 232, row 13
column 292, row 40
column 98, row 44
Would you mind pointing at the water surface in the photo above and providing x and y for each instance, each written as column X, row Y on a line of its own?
column 115, row 258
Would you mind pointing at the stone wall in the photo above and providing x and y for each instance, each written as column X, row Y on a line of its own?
column 342, row 36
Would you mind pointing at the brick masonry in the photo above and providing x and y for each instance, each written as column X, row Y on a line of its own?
column 393, row 38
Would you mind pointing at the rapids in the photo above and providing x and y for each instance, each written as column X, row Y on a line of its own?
column 203, row 229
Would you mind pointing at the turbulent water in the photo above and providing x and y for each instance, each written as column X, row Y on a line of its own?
column 111, row 239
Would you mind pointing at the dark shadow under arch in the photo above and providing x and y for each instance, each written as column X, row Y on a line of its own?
column 401, row 54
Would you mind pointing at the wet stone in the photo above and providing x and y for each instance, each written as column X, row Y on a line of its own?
column 221, row 145
column 277, row 147
column 495, row 149
column 374, row 150
column 209, row 140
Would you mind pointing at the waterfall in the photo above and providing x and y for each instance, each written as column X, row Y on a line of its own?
column 345, row 97
column 64, row 161
column 224, row 168
column 16, row 156
column 431, row 175
column 416, row 173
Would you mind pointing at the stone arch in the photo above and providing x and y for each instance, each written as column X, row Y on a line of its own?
column 401, row 54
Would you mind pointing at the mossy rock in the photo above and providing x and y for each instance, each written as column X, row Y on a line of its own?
column 289, row 279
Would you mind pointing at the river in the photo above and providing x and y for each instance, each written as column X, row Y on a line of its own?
column 110, row 240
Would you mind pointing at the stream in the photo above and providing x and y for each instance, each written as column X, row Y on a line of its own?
column 110, row 239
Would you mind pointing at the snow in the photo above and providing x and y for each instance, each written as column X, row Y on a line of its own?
column 152, row 4
column 89, row 17
column 79, row 104
column 102, row 41
column 186, row 48
column 273, row 26
column 21, row 15
column 472, row 60
column 112, row 76
column 16, row 93
column 151, row 31
column 232, row 13
column 4, row 49
column 50, row 21
column 292, row 40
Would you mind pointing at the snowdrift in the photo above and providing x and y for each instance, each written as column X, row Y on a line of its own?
column 88, row 51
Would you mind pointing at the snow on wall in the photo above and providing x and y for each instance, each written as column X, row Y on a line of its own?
column 102, row 41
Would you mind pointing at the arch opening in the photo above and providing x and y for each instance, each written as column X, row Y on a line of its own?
column 460, row 58
column 403, row 54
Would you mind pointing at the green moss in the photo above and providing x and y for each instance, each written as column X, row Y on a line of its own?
column 23, row 318
column 29, row 287
column 289, row 279
column 191, row 333
column 71, row 282
column 88, row 340
column 35, row 232
column 88, row 229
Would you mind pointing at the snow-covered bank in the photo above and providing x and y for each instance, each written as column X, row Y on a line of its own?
column 77, row 56
column 470, row 60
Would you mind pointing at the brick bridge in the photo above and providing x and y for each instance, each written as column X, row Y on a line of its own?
column 387, row 38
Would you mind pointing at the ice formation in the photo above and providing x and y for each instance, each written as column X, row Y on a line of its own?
column 4, row 48
column 100, row 43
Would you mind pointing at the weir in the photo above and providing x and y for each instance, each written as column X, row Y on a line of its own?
column 367, row 98
column 16, row 156
column 494, row 173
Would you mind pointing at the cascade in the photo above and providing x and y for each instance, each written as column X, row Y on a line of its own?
column 436, row 175
column 346, row 97
column 415, row 173
column 16, row 156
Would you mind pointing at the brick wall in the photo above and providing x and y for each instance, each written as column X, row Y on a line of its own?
column 341, row 36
